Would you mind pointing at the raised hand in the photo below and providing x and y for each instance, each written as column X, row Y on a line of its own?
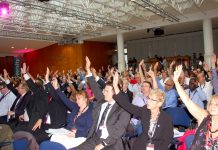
column 205, row 66
column 213, row 59
column 23, row 69
column 47, row 75
column 141, row 62
column 177, row 73
column 55, row 83
column 151, row 72
column 6, row 76
column 115, row 82
column 172, row 63
column 88, row 64
column 156, row 66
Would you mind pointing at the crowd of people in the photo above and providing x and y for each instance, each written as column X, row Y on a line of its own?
column 90, row 110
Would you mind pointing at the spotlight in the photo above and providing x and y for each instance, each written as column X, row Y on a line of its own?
column 4, row 9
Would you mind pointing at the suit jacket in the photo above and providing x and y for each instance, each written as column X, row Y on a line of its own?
column 19, row 107
column 38, row 105
column 56, row 109
column 163, row 134
column 117, row 120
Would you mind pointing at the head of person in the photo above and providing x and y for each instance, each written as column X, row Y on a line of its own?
column 108, row 92
column 146, row 87
column 22, row 88
column 81, row 98
column 212, row 105
column 3, row 88
column 137, row 78
column 193, row 84
column 201, row 78
column 156, row 99
column 164, row 74
column 182, row 78
column 124, row 83
column 169, row 84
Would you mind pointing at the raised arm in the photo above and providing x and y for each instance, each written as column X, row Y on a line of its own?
column 123, row 100
column 153, row 76
column 28, row 79
column 93, row 85
column 214, row 74
column 141, row 71
column 49, row 87
column 9, row 84
column 63, row 97
column 194, row 109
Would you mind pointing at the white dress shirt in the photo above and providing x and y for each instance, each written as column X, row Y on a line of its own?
column 6, row 103
column 104, row 131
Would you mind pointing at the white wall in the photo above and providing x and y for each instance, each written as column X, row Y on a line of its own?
column 173, row 45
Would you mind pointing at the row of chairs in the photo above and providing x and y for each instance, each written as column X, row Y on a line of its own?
column 179, row 117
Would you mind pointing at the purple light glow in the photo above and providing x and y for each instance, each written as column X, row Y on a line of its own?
column 4, row 9
column 22, row 51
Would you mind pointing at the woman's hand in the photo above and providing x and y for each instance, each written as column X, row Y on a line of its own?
column 177, row 73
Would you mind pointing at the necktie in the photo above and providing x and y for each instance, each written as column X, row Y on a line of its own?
column 102, row 120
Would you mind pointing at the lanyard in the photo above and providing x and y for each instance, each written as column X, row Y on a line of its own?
column 203, row 86
column 79, row 114
column 192, row 95
column 4, row 96
column 151, row 131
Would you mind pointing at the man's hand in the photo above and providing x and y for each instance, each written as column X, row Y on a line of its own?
column 99, row 147
column 47, row 75
column 37, row 125
column 88, row 64
column 55, row 83
column 115, row 82
column 21, row 117
column 10, row 113
column 177, row 73
column 6, row 76
column 23, row 69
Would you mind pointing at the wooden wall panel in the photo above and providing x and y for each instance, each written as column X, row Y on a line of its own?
column 68, row 56
column 7, row 63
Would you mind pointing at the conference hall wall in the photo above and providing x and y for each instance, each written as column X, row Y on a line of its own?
column 172, row 45
column 67, row 57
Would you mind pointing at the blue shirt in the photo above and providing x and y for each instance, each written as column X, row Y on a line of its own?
column 171, row 96
column 83, row 123
column 197, row 96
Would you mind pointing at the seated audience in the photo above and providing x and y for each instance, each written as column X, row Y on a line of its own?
column 157, row 125
column 207, row 132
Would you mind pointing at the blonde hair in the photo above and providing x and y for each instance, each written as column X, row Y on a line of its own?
column 213, row 98
column 159, row 94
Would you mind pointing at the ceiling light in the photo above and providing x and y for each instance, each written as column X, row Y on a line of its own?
column 4, row 9
column 25, row 48
column 12, row 47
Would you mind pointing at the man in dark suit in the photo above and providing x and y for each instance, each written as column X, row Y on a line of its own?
column 109, row 119
column 17, row 110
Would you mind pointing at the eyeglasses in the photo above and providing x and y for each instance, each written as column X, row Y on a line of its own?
column 167, row 84
column 153, row 100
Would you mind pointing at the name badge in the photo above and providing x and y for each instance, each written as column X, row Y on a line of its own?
column 101, row 127
column 150, row 146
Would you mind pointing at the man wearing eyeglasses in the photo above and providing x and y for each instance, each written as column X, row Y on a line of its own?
column 171, row 99
column 6, row 101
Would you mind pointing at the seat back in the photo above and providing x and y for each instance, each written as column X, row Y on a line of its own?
column 21, row 144
column 48, row 145
column 179, row 116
